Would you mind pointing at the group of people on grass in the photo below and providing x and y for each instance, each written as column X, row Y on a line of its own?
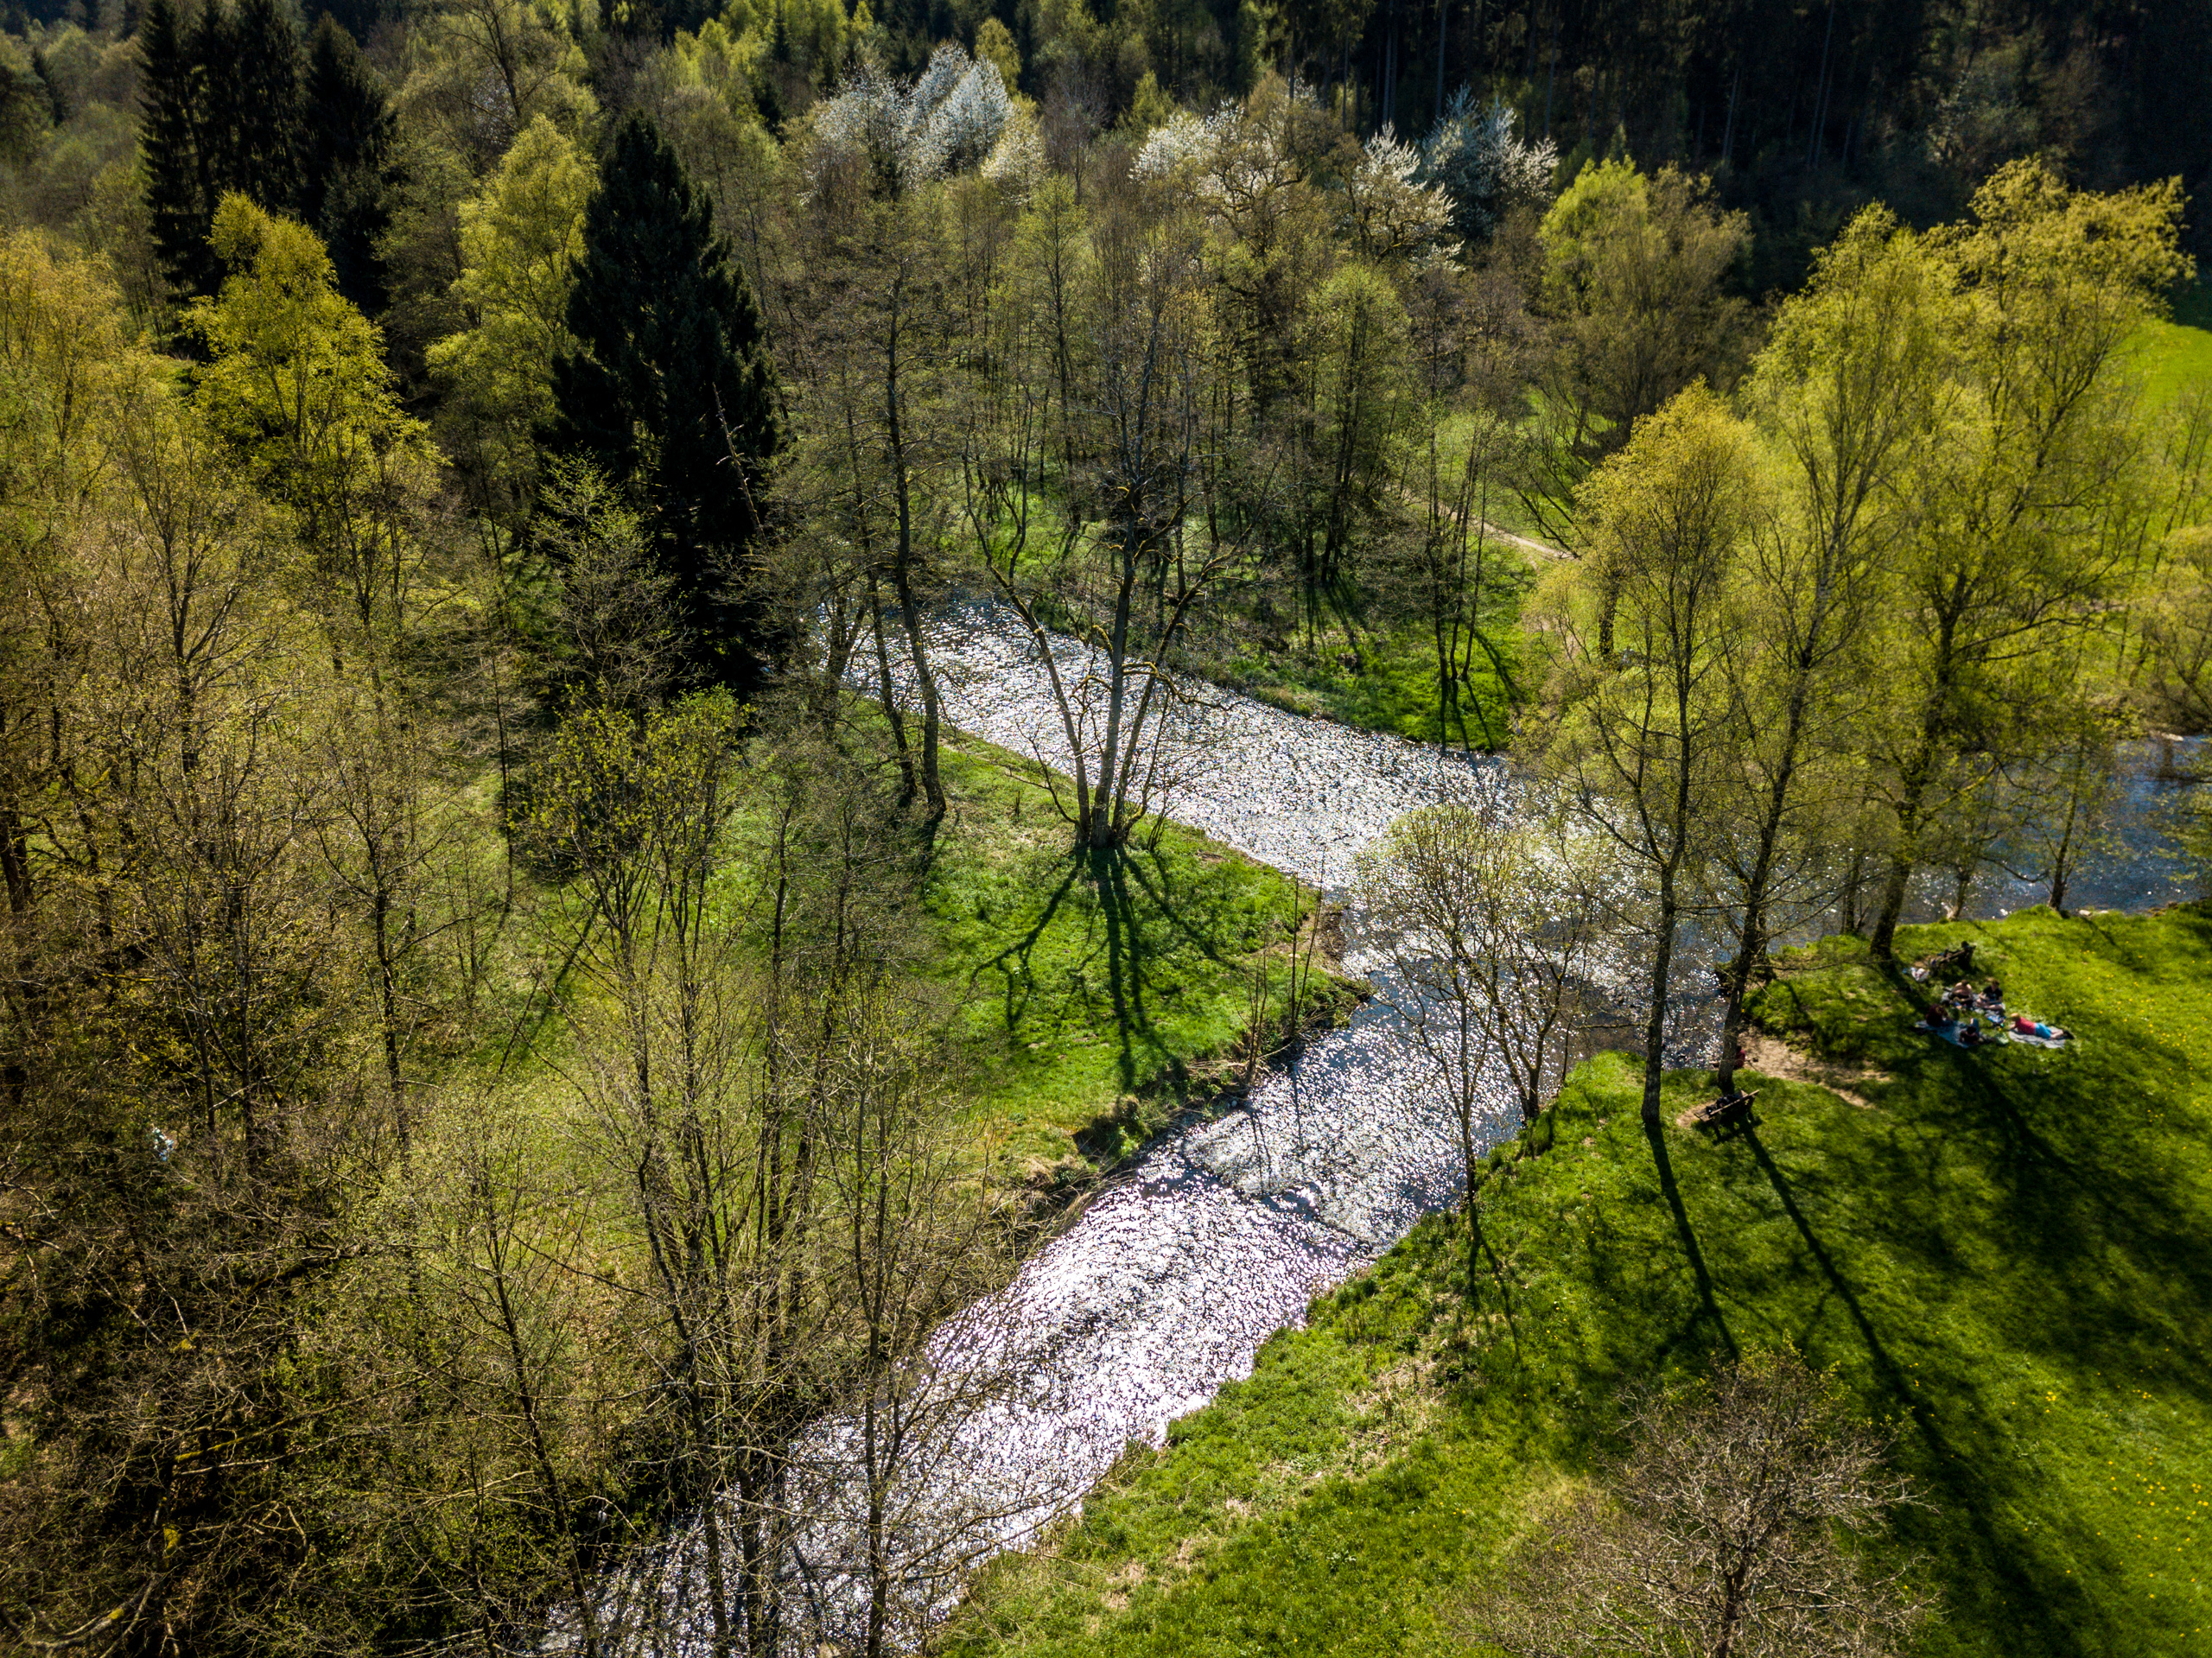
column 1973, row 1018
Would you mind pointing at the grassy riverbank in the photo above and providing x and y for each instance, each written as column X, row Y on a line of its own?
column 1096, row 993
column 1386, row 679
column 2002, row 1253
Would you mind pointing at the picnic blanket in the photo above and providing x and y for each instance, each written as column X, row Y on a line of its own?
column 2003, row 1033
column 1948, row 1032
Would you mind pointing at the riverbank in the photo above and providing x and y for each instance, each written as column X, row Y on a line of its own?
column 2001, row 1253
column 1098, row 996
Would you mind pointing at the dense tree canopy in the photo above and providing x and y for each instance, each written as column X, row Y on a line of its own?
column 488, row 1059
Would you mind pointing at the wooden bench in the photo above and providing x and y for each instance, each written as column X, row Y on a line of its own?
column 1734, row 1111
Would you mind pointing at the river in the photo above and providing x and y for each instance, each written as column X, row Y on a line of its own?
column 1165, row 1285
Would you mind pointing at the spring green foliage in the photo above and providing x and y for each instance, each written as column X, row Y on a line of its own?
column 2046, row 1401
column 1634, row 280
column 520, row 240
column 467, row 1178
column 294, row 371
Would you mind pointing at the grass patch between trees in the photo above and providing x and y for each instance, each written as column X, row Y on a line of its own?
column 1095, row 993
column 1388, row 684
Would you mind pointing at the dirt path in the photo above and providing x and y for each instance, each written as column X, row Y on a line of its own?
column 1770, row 1055
column 1540, row 549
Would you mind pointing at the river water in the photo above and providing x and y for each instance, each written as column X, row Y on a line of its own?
column 1167, row 1283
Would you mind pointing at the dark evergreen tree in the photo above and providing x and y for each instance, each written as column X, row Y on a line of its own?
column 169, row 141
column 26, row 108
column 672, row 390
column 250, row 108
column 345, row 161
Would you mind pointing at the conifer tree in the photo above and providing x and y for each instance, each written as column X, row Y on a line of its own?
column 169, row 139
column 346, row 157
column 250, row 104
column 672, row 389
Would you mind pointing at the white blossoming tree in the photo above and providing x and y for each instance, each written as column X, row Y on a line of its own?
column 1473, row 158
column 1389, row 211
column 947, row 121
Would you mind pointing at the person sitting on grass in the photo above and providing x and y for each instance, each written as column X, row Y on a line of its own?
column 1972, row 1036
column 1992, row 997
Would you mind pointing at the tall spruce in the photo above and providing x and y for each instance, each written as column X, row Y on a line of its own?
column 250, row 104
column 168, row 140
column 345, row 161
column 672, row 389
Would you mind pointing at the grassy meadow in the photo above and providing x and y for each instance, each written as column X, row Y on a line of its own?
column 2176, row 354
column 1093, row 995
column 1088, row 998
column 1389, row 683
column 2001, row 1253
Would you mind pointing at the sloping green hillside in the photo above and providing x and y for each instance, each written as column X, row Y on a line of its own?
column 2003, row 1253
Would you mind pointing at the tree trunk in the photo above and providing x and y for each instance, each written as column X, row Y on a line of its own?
column 892, row 715
column 1654, row 1029
column 1904, row 856
column 1754, row 932
column 902, row 574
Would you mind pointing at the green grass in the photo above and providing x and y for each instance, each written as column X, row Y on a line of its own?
column 1098, row 993
column 2177, row 356
column 1256, row 645
column 1090, row 997
column 1391, row 686
column 2002, row 1253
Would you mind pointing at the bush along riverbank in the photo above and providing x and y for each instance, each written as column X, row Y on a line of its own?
column 1998, row 1253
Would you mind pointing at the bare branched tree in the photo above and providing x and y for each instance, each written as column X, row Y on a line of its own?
column 1722, row 1534
column 1128, row 568
column 1493, row 931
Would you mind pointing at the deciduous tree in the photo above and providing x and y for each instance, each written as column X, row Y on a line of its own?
column 1722, row 1532
column 1644, row 727
column 2016, row 545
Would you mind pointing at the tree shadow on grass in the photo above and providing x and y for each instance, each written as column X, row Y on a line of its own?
column 1115, row 945
column 1964, row 1482
column 1016, row 963
column 2011, row 1212
column 1655, row 1135
column 1130, row 952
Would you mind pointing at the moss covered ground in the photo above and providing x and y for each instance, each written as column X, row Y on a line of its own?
column 2003, row 1255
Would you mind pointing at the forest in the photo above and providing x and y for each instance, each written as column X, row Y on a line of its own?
column 523, row 1003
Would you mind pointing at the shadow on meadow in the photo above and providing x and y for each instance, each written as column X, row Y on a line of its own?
column 2004, row 1255
column 1998, row 1252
